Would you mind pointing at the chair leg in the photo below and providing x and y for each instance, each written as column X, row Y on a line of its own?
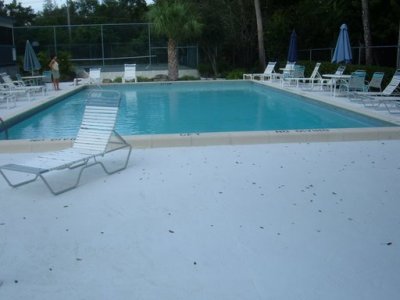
column 14, row 185
column 55, row 191
column 108, row 171
column 85, row 164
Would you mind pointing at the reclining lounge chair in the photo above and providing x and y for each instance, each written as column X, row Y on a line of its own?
column 94, row 143
column 390, row 95
column 268, row 73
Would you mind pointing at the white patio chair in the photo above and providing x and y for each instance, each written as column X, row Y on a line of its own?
column 287, row 71
column 129, row 73
column 95, row 141
column 95, row 76
column 356, row 83
column 268, row 73
column 298, row 75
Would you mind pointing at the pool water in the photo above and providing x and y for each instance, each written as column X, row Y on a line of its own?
column 195, row 107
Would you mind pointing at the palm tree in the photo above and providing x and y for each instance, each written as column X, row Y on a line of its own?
column 178, row 21
column 260, row 34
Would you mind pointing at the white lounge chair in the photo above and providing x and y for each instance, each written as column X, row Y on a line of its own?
column 7, row 100
column 376, row 82
column 19, row 85
column 389, row 94
column 95, row 141
column 129, row 73
column 315, row 79
column 16, row 94
column 268, row 73
column 95, row 76
column 392, row 104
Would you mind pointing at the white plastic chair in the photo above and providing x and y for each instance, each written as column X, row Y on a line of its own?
column 129, row 73
column 95, row 76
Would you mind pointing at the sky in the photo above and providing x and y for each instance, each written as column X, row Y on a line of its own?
column 37, row 5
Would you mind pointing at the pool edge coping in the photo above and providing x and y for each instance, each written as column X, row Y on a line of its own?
column 225, row 138
column 219, row 139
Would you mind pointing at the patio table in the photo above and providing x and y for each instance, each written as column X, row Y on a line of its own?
column 37, row 79
column 335, row 79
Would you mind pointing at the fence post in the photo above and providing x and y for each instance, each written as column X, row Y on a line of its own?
column 55, row 40
column 398, row 57
column 149, row 34
column 102, row 43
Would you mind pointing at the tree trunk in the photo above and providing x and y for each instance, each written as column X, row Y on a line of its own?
column 367, row 32
column 212, row 54
column 260, row 34
column 398, row 49
column 173, row 70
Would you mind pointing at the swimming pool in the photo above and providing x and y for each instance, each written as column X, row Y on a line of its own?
column 195, row 107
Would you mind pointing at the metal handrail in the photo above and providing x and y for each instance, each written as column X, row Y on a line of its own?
column 3, row 127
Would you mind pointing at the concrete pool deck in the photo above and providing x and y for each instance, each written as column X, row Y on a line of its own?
column 225, row 138
column 296, row 220
column 271, row 221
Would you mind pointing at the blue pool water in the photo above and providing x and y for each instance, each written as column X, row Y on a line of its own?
column 195, row 107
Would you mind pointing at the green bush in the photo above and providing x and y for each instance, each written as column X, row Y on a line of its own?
column 118, row 79
column 143, row 79
column 205, row 70
column 64, row 59
column 235, row 74
column 187, row 77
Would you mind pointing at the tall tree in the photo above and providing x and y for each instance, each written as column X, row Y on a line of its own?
column 367, row 31
column 395, row 8
column 23, row 16
column 260, row 34
column 177, row 21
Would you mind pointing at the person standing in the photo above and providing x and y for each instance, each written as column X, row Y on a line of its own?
column 55, row 72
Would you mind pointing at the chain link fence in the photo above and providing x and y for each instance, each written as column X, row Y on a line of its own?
column 102, row 44
column 387, row 56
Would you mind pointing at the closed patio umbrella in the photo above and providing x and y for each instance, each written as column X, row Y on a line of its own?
column 31, row 62
column 292, row 54
column 343, row 49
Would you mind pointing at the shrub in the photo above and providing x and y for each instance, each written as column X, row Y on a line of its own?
column 187, row 77
column 64, row 58
column 205, row 70
column 235, row 74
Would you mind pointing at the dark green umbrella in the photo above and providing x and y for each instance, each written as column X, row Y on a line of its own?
column 31, row 62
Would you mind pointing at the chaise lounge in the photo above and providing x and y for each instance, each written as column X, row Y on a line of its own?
column 95, row 141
